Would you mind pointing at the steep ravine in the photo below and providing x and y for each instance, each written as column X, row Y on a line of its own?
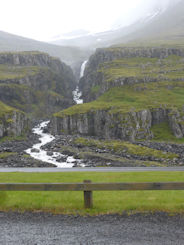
column 55, row 158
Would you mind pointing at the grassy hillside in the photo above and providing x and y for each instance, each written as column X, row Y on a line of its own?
column 137, row 97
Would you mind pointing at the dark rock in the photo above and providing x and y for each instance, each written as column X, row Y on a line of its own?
column 49, row 153
column 35, row 150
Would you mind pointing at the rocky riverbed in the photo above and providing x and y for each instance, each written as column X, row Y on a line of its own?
column 66, row 150
column 93, row 156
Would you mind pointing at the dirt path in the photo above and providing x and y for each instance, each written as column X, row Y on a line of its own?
column 47, row 229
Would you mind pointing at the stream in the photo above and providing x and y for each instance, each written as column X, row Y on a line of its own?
column 54, row 157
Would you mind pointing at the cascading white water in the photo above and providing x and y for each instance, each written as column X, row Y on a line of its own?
column 83, row 66
column 77, row 93
column 37, row 153
column 76, row 96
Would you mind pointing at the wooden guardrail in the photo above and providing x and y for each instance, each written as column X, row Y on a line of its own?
column 87, row 187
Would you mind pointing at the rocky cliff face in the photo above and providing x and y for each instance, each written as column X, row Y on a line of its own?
column 129, row 126
column 12, row 122
column 35, row 83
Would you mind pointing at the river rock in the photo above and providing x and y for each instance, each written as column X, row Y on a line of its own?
column 49, row 153
column 61, row 158
column 35, row 150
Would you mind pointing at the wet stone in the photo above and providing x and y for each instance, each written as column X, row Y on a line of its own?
column 49, row 153
column 35, row 150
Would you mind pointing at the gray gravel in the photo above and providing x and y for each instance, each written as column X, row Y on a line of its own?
column 47, row 229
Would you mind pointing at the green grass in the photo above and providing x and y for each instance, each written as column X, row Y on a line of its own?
column 13, row 138
column 139, row 67
column 104, row 202
column 17, row 72
column 6, row 154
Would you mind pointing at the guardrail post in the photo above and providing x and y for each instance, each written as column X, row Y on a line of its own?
column 88, row 196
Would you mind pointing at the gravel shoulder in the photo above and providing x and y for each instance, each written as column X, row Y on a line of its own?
column 48, row 229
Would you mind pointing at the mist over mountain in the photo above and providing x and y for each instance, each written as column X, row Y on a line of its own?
column 167, row 25
column 151, row 19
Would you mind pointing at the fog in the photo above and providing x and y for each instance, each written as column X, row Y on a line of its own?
column 44, row 19
column 142, row 10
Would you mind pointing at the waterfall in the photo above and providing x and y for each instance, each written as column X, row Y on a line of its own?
column 77, row 93
column 83, row 66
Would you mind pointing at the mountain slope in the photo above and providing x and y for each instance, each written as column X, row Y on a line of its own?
column 69, row 55
column 166, row 27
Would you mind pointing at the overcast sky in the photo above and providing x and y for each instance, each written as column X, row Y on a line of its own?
column 44, row 19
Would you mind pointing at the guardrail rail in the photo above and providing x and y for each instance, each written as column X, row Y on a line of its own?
column 88, row 187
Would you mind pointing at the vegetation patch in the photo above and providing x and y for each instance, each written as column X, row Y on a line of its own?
column 6, row 154
column 17, row 72
column 140, row 67
column 5, row 109
column 125, row 147
column 162, row 132
column 95, row 89
column 105, row 158
column 13, row 138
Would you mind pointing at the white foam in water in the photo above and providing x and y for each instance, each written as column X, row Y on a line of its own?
column 42, row 155
column 76, row 96
column 77, row 93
